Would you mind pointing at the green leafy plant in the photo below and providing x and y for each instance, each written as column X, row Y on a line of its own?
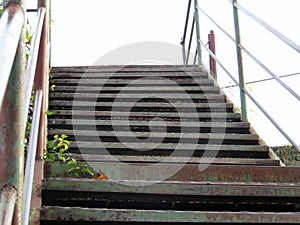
column 78, row 168
column 57, row 148
column 48, row 113
column 52, row 87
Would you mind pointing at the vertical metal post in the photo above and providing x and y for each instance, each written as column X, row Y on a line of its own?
column 212, row 47
column 190, row 41
column 184, row 32
column 198, row 32
column 239, row 61
column 183, row 52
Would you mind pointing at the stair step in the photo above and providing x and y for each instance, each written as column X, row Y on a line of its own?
column 193, row 138
column 138, row 97
column 149, row 89
column 129, row 75
column 167, row 149
column 147, row 82
column 176, row 190
column 161, row 217
column 143, row 106
column 200, row 116
column 183, row 195
column 136, row 171
column 170, row 159
column 143, row 126
column 128, row 68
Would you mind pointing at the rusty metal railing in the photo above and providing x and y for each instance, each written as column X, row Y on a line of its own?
column 239, row 50
column 12, row 68
column 7, row 204
column 15, row 95
column 31, row 72
column 11, row 25
column 37, row 73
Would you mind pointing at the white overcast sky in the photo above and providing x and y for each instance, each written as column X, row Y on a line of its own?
column 84, row 31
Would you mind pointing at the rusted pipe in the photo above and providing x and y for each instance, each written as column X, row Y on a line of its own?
column 212, row 47
column 11, row 24
column 7, row 205
column 11, row 116
column 41, row 79
column 41, row 83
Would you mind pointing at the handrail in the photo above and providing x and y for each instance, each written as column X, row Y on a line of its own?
column 32, row 60
column 262, row 80
column 185, row 31
column 30, row 162
column 33, row 66
column 186, row 22
column 11, row 24
column 186, row 56
column 190, row 42
column 18, row 88
column 268, row 27
column 253, row 99
column 256, row 60
column 240, row 47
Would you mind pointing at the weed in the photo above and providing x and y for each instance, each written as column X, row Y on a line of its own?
column 57, row 148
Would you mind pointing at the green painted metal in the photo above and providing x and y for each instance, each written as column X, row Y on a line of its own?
column 190, row 172
column 41, row 85
column 10, row 30
column 240, row 62
column 171, row 159
column 199, row 50
column 7, row 204
column 196, row 189
column 158, row 217
column 12, row 126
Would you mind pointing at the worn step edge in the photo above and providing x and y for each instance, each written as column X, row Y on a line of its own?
column 250, row 189
column 132, row 83
column 178, row 105
column 140, row 171
column 199, row 125
column 170, row 146
column 209, row 136
column 208, row 115
column 128, row 68
column 157, row 216
column 153, row 89
column 131, row 75
column 172, row 159
column 128, row 96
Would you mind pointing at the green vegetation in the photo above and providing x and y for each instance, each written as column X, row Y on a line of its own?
column 58, row 148
column 288, row 154
column 1, row 8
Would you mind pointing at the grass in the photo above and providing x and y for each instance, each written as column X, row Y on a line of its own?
column 288, row 154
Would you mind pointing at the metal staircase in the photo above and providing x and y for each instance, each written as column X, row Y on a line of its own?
column 225, row 175
column 162, row 144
